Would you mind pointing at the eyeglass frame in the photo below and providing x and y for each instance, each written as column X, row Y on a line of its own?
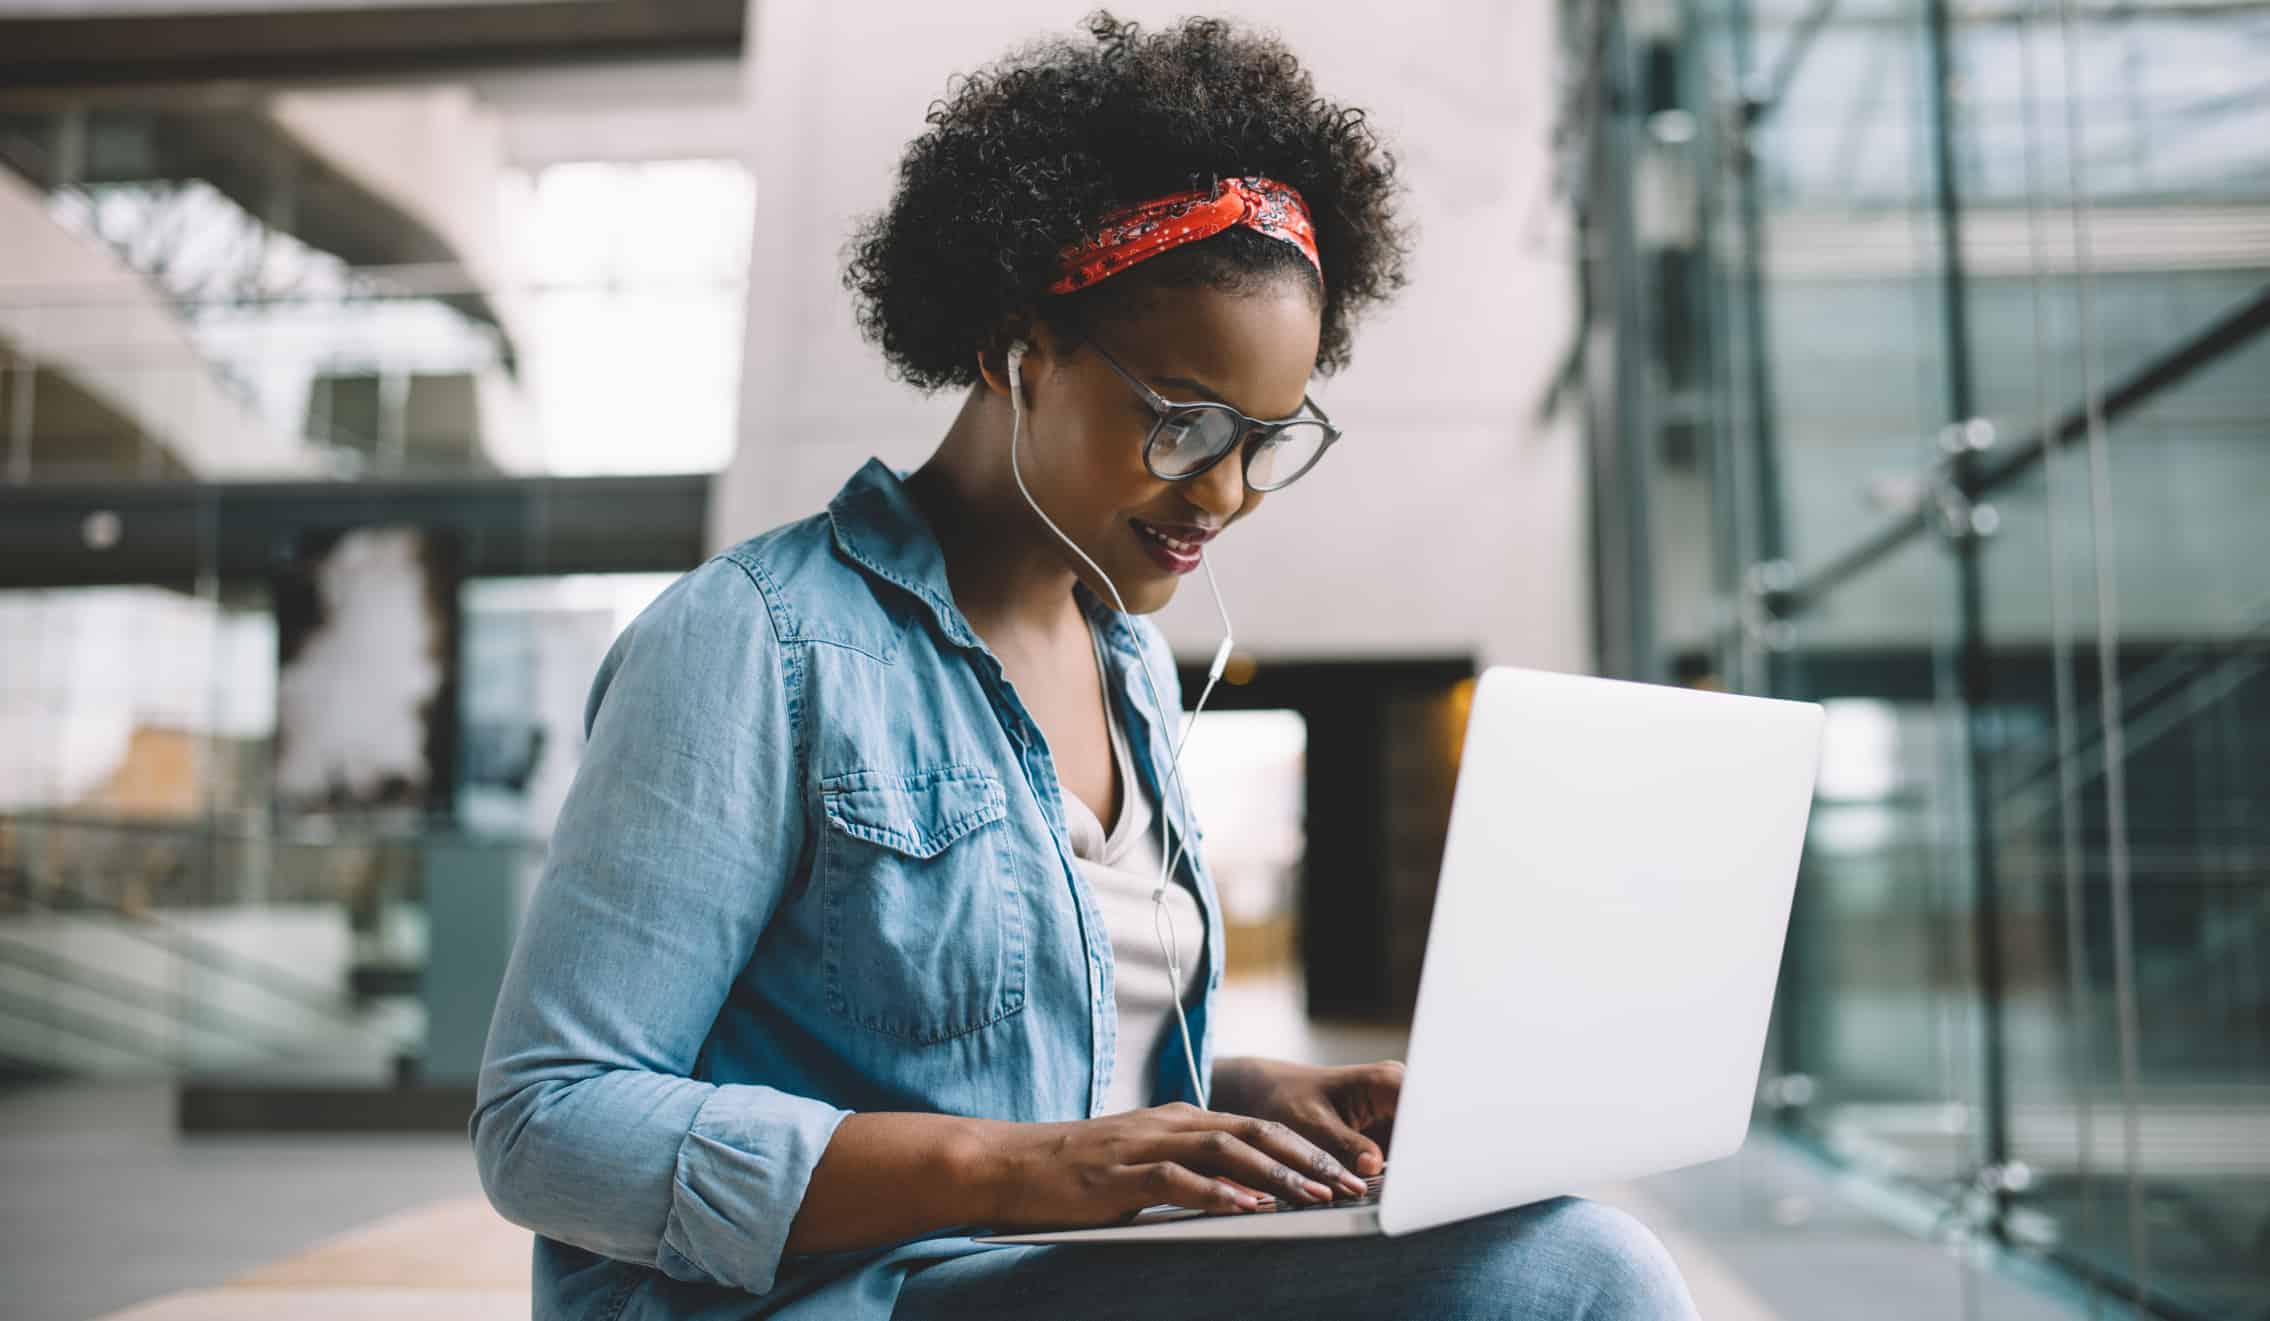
column 1166, row 409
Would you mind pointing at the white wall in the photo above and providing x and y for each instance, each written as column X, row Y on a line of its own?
column 1448, row 521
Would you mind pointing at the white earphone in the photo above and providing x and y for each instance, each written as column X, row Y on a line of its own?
column 1161, row 924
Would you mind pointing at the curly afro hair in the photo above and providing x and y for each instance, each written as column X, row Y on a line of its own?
column 1023, row 158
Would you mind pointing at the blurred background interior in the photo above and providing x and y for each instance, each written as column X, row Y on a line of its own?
column 363, row 369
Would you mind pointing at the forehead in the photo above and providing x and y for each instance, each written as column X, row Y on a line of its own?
column 1256, row 349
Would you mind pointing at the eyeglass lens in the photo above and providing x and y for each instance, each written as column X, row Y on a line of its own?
column 1188, row 442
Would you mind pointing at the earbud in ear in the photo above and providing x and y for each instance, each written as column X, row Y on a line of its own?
column 1016, row 353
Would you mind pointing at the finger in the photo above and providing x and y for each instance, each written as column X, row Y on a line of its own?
column 1331, row 1125
column 1356, row 1151
column 1222, row 1153
column 1297, row 1153
column 1266, row 1154
column 1383, row 1133
column 1174, row 1184
column 1305, row 1154
column 1367, row 1093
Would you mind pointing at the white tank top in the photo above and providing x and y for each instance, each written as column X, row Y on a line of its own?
column 1121, row 867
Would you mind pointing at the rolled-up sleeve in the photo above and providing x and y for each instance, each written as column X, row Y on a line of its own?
column 671, row 853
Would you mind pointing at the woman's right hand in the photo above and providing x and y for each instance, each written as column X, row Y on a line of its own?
column 1098, row 1171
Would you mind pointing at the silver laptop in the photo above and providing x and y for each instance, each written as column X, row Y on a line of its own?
column 1607, row 930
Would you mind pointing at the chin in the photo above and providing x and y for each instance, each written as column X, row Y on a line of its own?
column 1154, row 600
column 1143, row 588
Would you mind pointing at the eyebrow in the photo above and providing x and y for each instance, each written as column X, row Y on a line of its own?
column 1208, row 391
column 1200, row 386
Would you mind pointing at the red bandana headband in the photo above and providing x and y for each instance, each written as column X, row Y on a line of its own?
column 1146, row 229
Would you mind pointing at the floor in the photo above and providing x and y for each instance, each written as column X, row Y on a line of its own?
column 1763, row 1236
column 105, row 1206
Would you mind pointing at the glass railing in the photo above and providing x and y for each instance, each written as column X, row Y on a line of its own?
column 251, row 957
column 1934, row 338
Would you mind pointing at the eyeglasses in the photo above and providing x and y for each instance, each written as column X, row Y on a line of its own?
column 1189, row 438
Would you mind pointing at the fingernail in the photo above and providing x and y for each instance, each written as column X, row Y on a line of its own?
column 1354, row 1184
column 1368, row 1162
column 1318, row 1190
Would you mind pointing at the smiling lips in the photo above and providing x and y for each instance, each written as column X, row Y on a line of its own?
column 1179, row 537
column 1174, row 546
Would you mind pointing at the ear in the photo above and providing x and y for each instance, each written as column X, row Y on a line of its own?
column 993, row 369
column 993, row 355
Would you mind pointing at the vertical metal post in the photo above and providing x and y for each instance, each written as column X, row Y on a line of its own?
column 1767, row 535
column 2118, row 866
column 1771, row 538
column 1638, row 413
column 1716, row 143
column 1626, row 622
column 1973, row 658
column 2065, row 702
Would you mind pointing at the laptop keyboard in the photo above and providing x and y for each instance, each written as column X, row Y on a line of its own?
column 1269, row 1206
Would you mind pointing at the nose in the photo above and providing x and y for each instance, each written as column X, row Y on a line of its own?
column 1220, row 490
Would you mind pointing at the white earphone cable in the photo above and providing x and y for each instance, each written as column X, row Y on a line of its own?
column 1161, row 923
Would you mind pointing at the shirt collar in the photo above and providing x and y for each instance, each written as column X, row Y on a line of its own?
column 878, row 524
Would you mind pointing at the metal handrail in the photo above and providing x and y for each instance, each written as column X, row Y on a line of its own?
column 2171, row 678
column 172, row 1005
column 63, row 1019
column 156, row 931
column 2027, row 802
column 295, row 834
column 2225, row 335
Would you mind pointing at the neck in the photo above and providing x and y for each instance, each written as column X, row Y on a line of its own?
column 1007, row 570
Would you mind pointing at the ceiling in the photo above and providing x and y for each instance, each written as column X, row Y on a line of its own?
column 57, row 46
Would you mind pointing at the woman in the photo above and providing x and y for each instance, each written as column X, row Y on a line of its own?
column 853, row 938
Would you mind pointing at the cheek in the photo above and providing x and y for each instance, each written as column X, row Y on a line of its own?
column 1114, row 480
column 1120, row 448
column 1104, row 442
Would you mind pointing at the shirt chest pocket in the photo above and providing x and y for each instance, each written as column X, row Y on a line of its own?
column 923, row 918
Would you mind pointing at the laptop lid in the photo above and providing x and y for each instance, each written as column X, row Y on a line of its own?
column 1606, row 935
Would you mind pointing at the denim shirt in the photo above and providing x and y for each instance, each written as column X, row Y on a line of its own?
column 814, row 862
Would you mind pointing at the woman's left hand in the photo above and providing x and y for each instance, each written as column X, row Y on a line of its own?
column 1349, row 1110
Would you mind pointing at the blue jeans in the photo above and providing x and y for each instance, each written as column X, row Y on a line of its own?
column 1566, row 1260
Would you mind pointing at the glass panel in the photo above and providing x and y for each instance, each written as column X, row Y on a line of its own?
column 163, row 915
column 2123, row 824
column 1856, row 352
column 2026, row 972
column 532, row 646
column 1881, row 994
column 332, row 286
column 2177, row 1040
column 272, row 293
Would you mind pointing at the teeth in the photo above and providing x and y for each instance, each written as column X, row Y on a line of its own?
column 1178, row 547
